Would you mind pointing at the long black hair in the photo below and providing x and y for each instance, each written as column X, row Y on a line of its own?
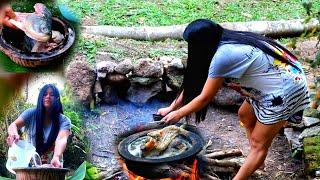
column 203, row 37
column 55, row 112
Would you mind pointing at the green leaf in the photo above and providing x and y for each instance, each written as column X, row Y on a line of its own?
column 80, row 173
column 92, row 172
column 4, row 178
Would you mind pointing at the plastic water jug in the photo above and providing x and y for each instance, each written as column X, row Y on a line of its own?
column 20, row 154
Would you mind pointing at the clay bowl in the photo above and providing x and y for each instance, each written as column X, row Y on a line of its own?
column 11, row 44
column 34, row 173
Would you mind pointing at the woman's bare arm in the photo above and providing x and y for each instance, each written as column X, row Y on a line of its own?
column 209, row 90
column 13, row 128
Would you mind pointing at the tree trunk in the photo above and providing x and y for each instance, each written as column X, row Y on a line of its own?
column 274, row 29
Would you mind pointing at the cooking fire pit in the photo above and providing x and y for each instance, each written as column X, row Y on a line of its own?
column 11, row 44
column 158, row 167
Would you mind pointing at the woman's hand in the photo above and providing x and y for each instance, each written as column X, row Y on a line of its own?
column 164, row 111
column 55, row 162
column 172, row 118
column 13, row 135
column 6, row 13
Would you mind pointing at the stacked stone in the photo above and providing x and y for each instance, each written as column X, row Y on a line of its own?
column 305, row 137
column 134, row 80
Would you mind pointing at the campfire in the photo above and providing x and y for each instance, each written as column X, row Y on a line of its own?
column 179, row 172
column 205, row 163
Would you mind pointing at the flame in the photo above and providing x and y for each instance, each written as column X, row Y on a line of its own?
column 194, row 171
column 194, row 175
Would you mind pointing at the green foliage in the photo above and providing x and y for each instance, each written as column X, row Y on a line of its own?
column 8, row 113
column 89, row 48
column 4, row 178
column 85, row 171
column 312, row 153
column 27, row 6
column 78, row 146
column 169, row 12
column 310, row 112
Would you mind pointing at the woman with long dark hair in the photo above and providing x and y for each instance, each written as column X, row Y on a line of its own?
column 45, row 126
column 259, row 68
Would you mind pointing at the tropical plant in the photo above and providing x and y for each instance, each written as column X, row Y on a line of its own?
column 85, row 171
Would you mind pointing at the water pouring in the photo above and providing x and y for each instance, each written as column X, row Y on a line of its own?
column 22, row 154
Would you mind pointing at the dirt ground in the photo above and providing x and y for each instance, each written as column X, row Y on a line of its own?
column 222, row 125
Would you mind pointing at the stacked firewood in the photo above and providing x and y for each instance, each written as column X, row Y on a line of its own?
column 216, row 162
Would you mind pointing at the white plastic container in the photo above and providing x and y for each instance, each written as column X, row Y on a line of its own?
column 20, row 154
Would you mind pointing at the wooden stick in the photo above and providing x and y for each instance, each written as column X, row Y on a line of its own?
column 224, row 153
column 221, row 169
column 235, row 162
column 211, row 177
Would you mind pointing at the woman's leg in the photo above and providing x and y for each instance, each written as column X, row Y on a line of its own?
column 260, row 141
column 247, row 117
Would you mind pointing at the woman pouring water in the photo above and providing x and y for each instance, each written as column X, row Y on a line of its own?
column 45, row 127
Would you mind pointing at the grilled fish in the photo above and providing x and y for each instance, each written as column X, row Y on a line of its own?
column 159, row 140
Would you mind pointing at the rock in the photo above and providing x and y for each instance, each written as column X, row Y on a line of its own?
column 144, row 81
column 81, row 78
column 311, row 154
column 97, row 87
column 310, row 121
column 293, row 138
column 124, row 67
column 141, row 94
column 177, row 63
column 116, row 79
column 228, row 97
column 311, row 85
column 104, row 56
column 309, row 132
column 310, row 112
column 174, row 77
column 101, row 75
column 109, row 95
column 318, row 94
column 168, row 61
column 174, row 81
column 165, row 60
column 296, row 125
column 148, row 68
column 314, row 104
column 106, row 67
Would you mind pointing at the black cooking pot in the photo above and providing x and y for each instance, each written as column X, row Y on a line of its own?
column 157, row 168
column 193, row 138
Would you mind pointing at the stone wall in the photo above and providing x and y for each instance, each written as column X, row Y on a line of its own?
column 134, row 80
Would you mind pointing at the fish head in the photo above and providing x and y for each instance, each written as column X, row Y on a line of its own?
column 38, row 25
